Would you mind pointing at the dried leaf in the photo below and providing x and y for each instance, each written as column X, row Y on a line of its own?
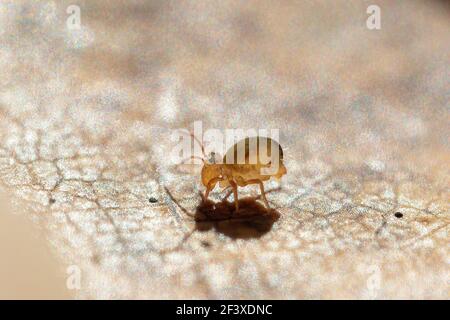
column 85, row 122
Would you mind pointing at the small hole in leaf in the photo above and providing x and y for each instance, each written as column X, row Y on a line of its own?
column 398, row 215
column 95, row 259
column 206, row 244
column 152, row 200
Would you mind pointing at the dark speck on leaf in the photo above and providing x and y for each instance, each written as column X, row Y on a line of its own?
column 398, row 215
column 152, row 200
column 206, row 244
column 51, row 201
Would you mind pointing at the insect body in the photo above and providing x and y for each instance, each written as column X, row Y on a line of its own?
column 245, row 168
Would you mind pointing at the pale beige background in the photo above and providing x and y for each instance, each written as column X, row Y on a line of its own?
column 85, row 118
column 28, row 269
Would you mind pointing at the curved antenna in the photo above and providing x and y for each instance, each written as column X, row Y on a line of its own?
column 196, row 139
column 193, row 157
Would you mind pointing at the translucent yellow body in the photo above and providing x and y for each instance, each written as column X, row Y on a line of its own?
column 231, row 173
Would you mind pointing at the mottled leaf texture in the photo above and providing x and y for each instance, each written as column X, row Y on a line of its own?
column 85, row 122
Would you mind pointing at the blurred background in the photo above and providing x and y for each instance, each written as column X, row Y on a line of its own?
column 87, row 107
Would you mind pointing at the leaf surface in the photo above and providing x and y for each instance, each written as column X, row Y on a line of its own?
column 86, row 117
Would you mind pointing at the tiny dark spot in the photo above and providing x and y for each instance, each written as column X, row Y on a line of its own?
column 51, row 201
column 95, row 259
column 398, row 215
column 152, row 200
column 206, row 244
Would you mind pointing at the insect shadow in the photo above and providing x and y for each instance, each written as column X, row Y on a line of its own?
column 251, row 221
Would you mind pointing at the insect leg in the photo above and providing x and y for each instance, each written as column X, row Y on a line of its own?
column 261, row 186
column 211, row 185
column 228, row 193
column 235, row 191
